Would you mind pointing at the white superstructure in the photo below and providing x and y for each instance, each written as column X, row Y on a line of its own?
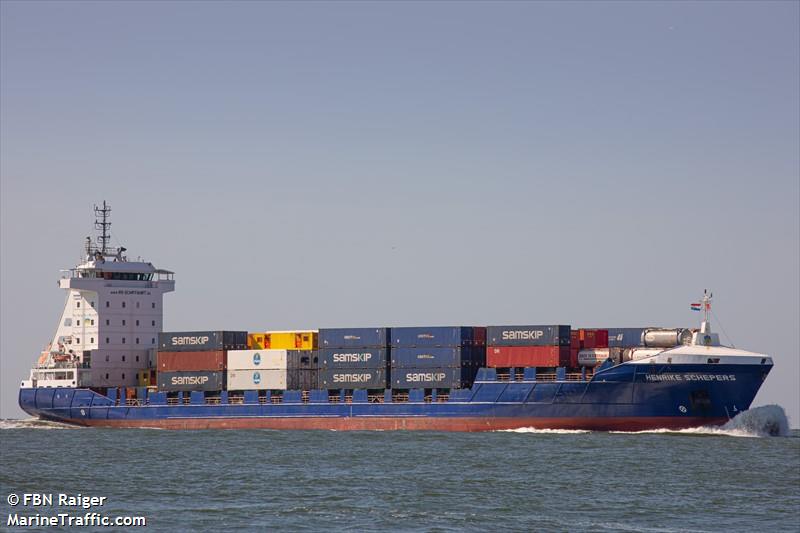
column 705, row 348
column 111, row 318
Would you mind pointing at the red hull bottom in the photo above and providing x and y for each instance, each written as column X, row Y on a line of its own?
column 410, row 423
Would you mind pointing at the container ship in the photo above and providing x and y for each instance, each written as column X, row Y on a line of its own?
column 110, row 364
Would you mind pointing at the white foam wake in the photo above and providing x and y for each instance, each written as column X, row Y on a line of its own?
column 32, row 423
column 765, row 421
column 545, row 431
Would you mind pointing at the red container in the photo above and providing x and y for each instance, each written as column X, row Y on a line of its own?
column 574, row 339
column 601, row 338
column 527, row 356
column 592, row 338
column 211, row 361
column 573, row 357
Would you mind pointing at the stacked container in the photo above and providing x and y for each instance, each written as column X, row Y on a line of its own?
column 354, row 358
column 303, row 369
column 283, row 340
column 257, row 370
column 528, row 346
column 436, row 357
column 195, row 360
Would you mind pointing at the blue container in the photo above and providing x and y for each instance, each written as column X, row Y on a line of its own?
column 362, row 378
column 198, row 341
column 354, row 337
column 433, row 357
column 191, row 381
column 552, row 335
column 625, row 337
column 432, row 378
column 435, row 336
column 344, row 358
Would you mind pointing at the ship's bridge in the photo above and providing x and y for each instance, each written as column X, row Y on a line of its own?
column 88, row 273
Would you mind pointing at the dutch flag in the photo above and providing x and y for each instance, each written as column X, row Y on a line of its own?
column 697, row 307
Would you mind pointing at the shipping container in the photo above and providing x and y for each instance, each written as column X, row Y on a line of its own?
column 555, row 335
column 302, row 379
column 432, row 378
column 592, row 357
column 354, row 338
column 437, row 336
column 189, row 361
column 256, row 359
column 593, row 338
column 193, row 341
column 191, row 381
column 261, row 379
column 625, row 337
column 436, row 357
column 303, row 359
column 527, row 356
column 370, row 378
column 283, row 340
column 353, row 357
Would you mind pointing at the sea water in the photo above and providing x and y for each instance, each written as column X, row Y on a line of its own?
column 740, row 477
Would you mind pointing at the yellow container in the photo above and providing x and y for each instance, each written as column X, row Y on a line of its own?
column 255, row 341
column 143, row 378
column 283, row 340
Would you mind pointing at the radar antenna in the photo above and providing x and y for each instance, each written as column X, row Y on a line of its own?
column 101, row 223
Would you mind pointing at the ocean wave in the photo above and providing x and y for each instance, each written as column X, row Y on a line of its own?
column 765, row 421
column 32, row 423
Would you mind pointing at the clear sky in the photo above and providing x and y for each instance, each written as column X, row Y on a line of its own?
column 346, row 164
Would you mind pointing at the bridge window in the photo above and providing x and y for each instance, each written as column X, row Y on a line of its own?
column 108, row 304
column 91, row 340
column 91, row 322
column 137, row 322
column 123, row 376
column 108, row 341
column 123, row 305
column 123, row 321
column 123, row 358
column 77, row 304
column 153, row 322
column 123, row 340
column 106, row 375
column 154, row 305
column 137, row 340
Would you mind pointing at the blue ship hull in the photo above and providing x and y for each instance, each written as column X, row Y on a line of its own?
column 628, row 397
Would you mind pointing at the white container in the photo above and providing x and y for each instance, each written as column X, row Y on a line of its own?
column 256, row 379
column 592, row 357
column 257, row 359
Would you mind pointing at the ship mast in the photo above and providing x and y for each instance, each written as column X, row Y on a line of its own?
column 706, row 325
column 101, row 223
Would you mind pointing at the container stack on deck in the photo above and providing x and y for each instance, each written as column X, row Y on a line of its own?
column 437, row 357
column 354, row 358
column 528, row 346
column 257, row 370
column 589, row 348
column 195, row 360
